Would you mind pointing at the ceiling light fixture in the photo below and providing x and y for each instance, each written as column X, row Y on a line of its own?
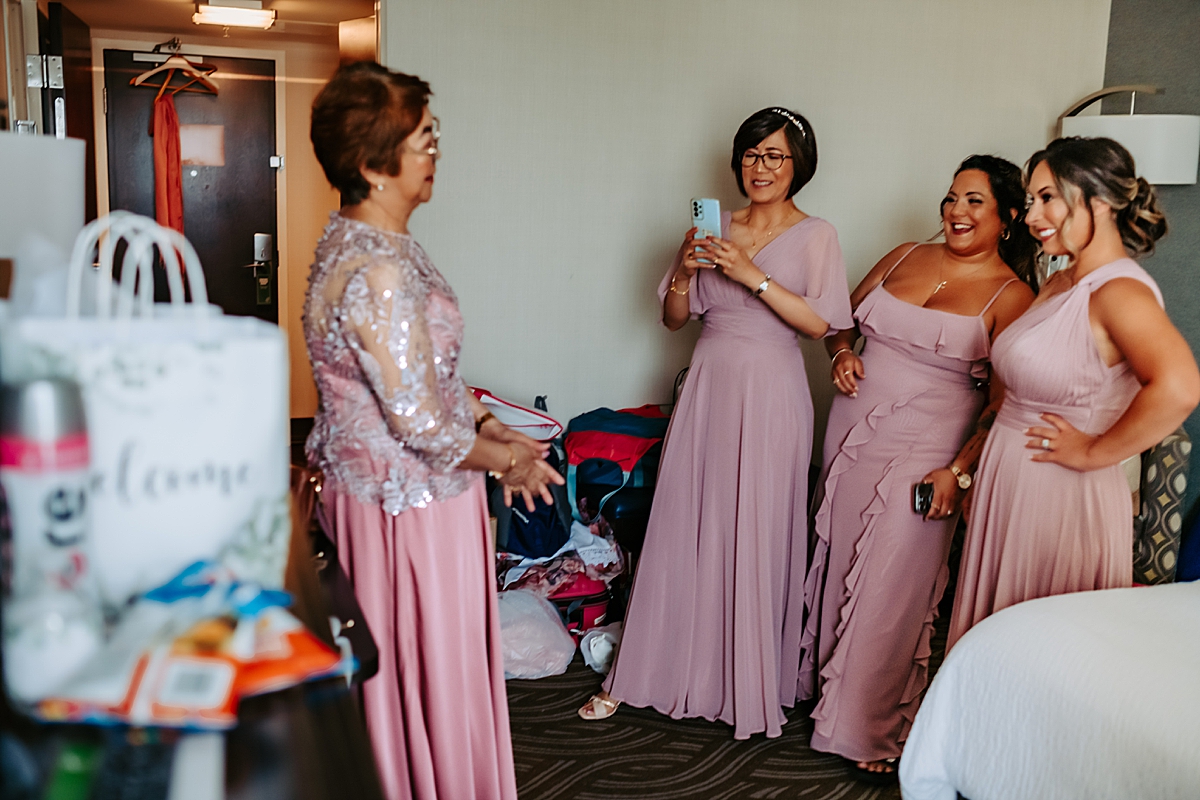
column 234, row 13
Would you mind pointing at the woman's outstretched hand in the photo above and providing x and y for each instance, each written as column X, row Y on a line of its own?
column 530, row 476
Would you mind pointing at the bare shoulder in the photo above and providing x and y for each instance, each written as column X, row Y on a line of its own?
column 1117, row 298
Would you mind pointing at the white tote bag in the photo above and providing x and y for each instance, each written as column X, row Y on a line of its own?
column 186, row 413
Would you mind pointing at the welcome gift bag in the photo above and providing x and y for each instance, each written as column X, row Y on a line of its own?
column 186, row 412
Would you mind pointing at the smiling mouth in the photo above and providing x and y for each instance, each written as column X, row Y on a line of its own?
column 959, row 228
column 761, row 183
column 1046, row 234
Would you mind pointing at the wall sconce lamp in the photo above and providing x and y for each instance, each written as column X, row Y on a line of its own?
column 1165, row 147
column 234, row 13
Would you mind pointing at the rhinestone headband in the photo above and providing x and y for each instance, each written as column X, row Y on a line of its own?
column 783, row 112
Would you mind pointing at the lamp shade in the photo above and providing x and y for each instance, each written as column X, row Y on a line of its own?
column 1165, row 147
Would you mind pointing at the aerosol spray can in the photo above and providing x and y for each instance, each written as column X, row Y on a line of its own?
column 52, row 615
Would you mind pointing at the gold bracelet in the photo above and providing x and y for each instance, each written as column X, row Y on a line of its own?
column 672, row 288
column 833, row 358
column 479, row 423
column 512, row 462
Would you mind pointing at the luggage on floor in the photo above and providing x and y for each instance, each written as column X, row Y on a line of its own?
column 612, row 451
column 583, row 604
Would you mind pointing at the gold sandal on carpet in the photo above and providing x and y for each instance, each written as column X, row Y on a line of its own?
column 598, row 707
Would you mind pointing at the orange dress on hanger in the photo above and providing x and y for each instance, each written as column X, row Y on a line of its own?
column 168, row 175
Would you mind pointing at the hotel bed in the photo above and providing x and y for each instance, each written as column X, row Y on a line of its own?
column 1090, row 695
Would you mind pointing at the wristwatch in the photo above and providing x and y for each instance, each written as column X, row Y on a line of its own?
column 963, row 478
column 762, row 287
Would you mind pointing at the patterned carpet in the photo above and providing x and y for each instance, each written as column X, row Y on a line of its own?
column 639, row 754
column 642, row 754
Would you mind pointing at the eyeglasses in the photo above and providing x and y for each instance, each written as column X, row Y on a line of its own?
column 433, row 150
column 771, row 161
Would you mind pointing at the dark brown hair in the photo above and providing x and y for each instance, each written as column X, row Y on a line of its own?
column 802, row 144
column 359, row 120
column 1103, row 169
column 1017, row 247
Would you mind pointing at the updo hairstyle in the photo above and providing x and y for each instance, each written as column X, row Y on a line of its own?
column 1102, row 168
column 359, row 120
column 1017, row 247
column 802, row 144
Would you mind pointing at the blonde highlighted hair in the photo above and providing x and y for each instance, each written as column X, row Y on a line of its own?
column 1103, row 169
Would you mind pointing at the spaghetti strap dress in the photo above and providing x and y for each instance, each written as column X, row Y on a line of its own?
column 1040, row 529
column 714, row 620
column 879, row 569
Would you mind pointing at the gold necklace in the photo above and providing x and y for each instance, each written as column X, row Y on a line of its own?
column 766, row 237
column 942, row 268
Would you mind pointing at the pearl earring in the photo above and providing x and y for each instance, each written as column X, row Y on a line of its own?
column 379, row 186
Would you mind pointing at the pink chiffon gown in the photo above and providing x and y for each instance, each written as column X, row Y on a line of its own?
column 384, row 332
column 879, row 569
column 715, row 616
column 1040, row 529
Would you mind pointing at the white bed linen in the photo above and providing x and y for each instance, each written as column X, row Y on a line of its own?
column 1089, row 695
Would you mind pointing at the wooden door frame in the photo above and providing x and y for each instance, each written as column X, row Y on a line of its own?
column 144, row 42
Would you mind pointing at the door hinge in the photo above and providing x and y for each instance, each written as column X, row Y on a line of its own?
column 43, row 72
column 54, row 72
column 35, row 72
column 276, row 162
column 104, row 98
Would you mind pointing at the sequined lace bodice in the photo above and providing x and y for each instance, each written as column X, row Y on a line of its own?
column 383, row 332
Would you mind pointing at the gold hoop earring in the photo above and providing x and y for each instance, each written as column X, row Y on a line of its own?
column 1006, row 234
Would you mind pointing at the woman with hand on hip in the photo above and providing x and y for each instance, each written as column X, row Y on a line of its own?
column 908, row 413
column 403, row 445
column 714, row 620
column 1095, row 373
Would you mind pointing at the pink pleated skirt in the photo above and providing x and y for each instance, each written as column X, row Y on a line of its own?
column 437, row 712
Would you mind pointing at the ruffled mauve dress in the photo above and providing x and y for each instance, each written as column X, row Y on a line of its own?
column 1041, row 529
column 879, row 569
column 715, row 617
column 384, row 332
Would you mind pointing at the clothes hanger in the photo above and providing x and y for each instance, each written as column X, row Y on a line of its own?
column 197, row 74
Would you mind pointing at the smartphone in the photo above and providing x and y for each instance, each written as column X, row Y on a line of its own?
column 922, row 498
column 706, row 219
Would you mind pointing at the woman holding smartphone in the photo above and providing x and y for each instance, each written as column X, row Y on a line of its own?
column 1095, row 373
column 905, row 416
column 715, row 618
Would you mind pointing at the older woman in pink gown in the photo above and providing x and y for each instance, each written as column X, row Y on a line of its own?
column 403, row 445
column 1095, row 373
column 714, row 622
column 908, row 413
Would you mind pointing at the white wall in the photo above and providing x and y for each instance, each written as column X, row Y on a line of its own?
column 575, row 133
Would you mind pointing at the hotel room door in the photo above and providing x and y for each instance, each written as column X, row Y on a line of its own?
column 229, row 192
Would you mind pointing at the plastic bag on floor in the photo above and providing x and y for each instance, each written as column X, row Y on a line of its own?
column 532, row 637
column 599, row 647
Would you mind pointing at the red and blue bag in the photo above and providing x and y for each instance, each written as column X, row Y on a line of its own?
column 612, row 450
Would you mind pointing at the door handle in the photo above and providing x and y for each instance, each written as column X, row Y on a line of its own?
column 264, row 253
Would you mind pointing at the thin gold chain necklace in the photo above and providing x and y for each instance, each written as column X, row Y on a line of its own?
column 942, row 268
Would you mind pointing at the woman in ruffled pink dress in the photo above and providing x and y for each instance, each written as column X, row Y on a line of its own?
column 715, row 617
column 1095, row 373
column 908, row 413
column 403, row 445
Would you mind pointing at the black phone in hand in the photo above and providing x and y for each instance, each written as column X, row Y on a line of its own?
column 922, row 498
